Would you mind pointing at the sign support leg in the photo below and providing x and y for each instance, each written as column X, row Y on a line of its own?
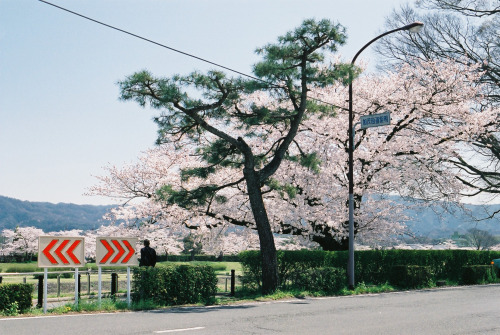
column 128, row 286
column 76, row 286
column 45, row 280
column 99, row 285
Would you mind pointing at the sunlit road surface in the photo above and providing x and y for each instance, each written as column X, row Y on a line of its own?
column 462, row 310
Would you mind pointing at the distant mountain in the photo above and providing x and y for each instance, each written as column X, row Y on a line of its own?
column 49, row 217
column 432, row 222
column 443, row 221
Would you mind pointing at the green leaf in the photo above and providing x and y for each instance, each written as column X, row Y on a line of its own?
column 200, row 172
column 311, row 161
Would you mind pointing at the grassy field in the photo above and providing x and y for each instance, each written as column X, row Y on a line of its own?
column 221, row 268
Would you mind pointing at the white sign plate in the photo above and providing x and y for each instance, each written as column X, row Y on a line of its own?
column 116, row 251
column 61, row 252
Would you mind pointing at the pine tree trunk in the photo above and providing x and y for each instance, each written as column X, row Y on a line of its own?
column 270, row 278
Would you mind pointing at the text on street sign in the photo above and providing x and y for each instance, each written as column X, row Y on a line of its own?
column 375, row 120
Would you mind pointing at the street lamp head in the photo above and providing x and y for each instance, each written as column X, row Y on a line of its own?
column 415, row 27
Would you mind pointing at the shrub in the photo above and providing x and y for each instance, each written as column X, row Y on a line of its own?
column 411, row 276
column 371, row 266
column 374, row 266
column 290, row 265
column 294, row 263
column 54, row 275
column 251, row 264
column 21, row 268
column 174, row 285
column 215, row 266
column 199, row 258
column 326, row 280
column 477, row 274
column 496, row 270
column 12, row 294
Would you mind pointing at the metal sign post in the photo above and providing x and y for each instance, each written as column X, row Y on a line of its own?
column 116, row 251
column 76, row 287
column 45, row 290
column 99, row 285
column 128, row 286
column 60, row 252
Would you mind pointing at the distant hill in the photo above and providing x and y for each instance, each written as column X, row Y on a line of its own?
column 432, row 222
column 49, row 217
column 437, row 222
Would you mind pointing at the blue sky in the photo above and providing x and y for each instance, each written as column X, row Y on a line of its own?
column 60, row 117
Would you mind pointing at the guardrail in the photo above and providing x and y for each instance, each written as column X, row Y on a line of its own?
column 57, row 286
column 39, row 275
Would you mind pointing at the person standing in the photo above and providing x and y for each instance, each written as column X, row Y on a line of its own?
column 148, row 255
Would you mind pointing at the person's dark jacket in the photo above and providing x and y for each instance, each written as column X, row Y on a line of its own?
column 148, row 257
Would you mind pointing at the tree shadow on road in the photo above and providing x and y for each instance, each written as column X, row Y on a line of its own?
column 199, row 309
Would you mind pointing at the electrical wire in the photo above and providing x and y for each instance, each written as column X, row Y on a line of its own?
column 178, row 51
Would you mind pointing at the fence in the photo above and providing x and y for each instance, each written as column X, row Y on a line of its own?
column 61, row 284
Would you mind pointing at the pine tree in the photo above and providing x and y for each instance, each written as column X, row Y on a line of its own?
column 204, row 110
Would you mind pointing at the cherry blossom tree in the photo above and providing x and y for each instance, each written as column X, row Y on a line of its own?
column 468, row 32
column 22, row 241
column 434, row 113
column 217, row 241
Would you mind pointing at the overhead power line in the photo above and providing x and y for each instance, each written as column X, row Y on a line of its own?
column 176, row 50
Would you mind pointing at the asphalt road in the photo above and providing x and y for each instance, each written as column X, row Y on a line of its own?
column 462, row 310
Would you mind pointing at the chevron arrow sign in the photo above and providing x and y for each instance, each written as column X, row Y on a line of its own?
column 61, row 251
column 116, row 251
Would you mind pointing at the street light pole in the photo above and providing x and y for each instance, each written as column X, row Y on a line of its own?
column 413, row 27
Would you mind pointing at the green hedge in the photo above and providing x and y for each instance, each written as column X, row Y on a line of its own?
column 325, row 280
column 13, row 268
column 290, row 265
column 372, row 266
column 478, row 274
column 20, row 294
column 411, row 276
column 54, row 275
column 251, row 264
column 174, row 285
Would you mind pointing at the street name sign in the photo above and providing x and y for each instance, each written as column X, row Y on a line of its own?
column 375, row 120
column 61, row 252
column 116, row 251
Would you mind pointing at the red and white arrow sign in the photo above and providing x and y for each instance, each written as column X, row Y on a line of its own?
column 117, row 251
column 61, row 251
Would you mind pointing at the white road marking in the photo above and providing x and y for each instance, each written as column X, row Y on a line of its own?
column 177, row 330
column 55, row 316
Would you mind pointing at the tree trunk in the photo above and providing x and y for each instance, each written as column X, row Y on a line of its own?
column 328, row 243
column 270, row 278
column 324, row 237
